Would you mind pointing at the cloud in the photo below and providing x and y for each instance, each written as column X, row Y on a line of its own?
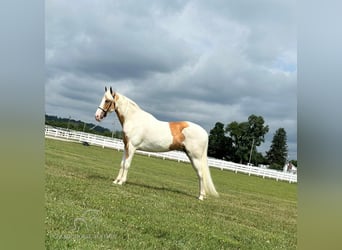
column 204, row 61
column 109, row 42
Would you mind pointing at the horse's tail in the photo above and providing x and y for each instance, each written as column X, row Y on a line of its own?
column 208, row 182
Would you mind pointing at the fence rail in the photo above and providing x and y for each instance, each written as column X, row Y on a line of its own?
column 53, row 132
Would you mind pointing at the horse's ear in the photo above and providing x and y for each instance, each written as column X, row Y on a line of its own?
column 111, row 91
column 105, row 89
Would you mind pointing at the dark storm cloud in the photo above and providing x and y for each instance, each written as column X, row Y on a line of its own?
column 110, row 42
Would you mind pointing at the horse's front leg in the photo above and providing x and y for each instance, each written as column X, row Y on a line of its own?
column 125, row 164
column 119, row 177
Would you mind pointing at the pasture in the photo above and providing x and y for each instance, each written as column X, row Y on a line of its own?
column 158, row 208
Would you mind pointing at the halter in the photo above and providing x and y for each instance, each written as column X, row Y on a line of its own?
column 104, row 111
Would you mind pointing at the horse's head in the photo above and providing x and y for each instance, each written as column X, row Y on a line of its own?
column 107, row 104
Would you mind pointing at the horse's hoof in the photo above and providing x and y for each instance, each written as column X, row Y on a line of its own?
column 201, row 198
column 119, row 182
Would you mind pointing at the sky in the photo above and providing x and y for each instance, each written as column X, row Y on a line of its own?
column 200, row 61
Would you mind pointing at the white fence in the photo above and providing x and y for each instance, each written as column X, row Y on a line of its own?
column 104, row 141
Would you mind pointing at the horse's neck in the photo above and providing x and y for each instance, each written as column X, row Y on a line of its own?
column 126, row 108
column 128, row 104
column 129, row 110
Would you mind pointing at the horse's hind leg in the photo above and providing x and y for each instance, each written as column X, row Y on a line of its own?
column 196, row 164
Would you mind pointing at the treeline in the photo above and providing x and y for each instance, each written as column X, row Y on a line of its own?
column 78, row 125
column 238, row 142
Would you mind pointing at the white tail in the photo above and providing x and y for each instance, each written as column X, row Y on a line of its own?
column 207, row 181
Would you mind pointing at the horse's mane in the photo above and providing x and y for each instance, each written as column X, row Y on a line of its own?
column 133, row 103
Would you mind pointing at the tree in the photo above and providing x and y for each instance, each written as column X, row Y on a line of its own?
column 237, row 132
column 246, row 136
column 294, row 162
column 219, row 144
column 277, row 154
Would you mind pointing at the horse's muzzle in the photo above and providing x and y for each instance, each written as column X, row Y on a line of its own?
column 98, row 115
column 97, row 118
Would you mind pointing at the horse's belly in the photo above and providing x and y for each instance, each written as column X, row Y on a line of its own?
column 160, row 144
column 158, row 136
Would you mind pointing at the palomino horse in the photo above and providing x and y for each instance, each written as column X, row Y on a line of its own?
column 143, row 131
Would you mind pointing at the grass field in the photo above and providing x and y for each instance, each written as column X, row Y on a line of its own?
column 157, row 208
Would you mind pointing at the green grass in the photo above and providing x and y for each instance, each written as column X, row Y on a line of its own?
column 157, row 208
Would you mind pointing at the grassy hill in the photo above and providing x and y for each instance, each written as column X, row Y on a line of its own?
column 157, row 208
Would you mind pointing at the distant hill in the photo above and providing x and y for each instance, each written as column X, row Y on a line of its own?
column 79, row 126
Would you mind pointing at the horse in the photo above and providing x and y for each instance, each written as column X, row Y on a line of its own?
column 141, row 130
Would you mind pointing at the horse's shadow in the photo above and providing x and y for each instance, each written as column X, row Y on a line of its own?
column 143, row 185
column 167, row 189
column 96, row 177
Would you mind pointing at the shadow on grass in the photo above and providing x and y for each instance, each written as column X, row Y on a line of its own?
column 167, row 189
column 142, row 185
column 98, row 177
